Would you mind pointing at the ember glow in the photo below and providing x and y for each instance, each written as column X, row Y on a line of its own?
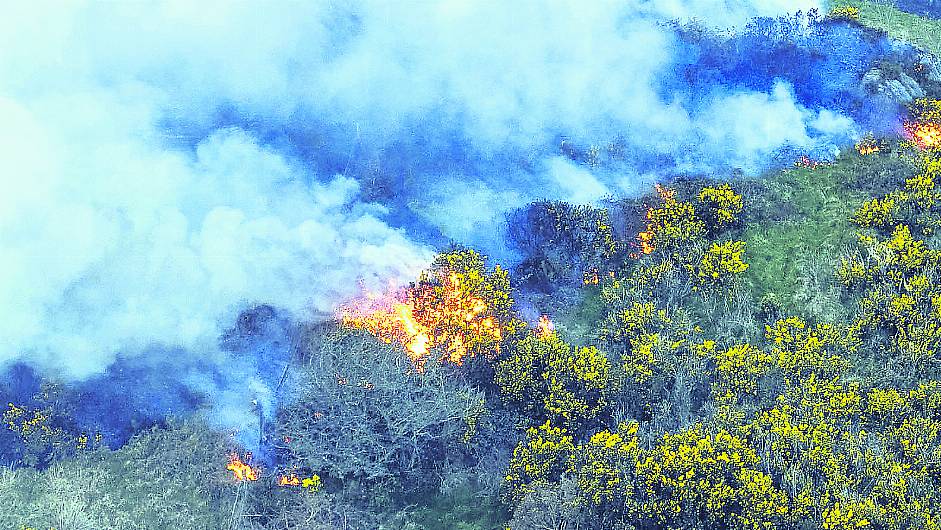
column 424, row 317
column 926, row 135
column 241, row 470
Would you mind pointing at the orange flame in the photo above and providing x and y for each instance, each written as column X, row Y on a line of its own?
column 926, row 135
column 867, row 146
column 289, row 480
column 590, row 277
column 241, row 470
column 420, row 319
column 645, row 238
column 545, row 328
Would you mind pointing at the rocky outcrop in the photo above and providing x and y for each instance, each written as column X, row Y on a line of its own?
column 930, row 67
column 897, row 86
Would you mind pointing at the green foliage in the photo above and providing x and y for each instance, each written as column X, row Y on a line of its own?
column 802, row 216
column 883, row 16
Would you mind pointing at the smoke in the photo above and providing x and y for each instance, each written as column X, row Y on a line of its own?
column 168, row 166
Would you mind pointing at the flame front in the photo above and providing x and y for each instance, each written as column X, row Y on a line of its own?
column 242, row 471
column 645, row 238
column 926, row 135
column 422, row 318
column 868, row 146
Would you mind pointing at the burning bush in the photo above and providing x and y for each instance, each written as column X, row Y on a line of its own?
column 924, row 130
column 456, row 310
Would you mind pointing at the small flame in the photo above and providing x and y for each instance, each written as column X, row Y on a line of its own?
column 289, row 480
column 807, row 162
column 645, row 238
column 926, row 135
column 868, row 146
column 241, row 470
column 545, row 328
column 590, row 277
column 665, row 193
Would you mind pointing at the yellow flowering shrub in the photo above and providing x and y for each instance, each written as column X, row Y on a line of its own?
column 674, row 223
column 738, row 370
column 720, row 206
column 545, row 378
column 844, row 12
column 800, row 350
column 881, row 213
column 541, row 459
column 605, row 465
column 721, row 262
column 695, row 478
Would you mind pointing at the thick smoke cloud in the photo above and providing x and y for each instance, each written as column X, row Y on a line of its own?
column 166, row 166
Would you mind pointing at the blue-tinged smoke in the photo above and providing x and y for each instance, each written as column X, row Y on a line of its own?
column 168, row 167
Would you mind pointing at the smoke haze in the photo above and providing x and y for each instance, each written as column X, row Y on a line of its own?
column 169, row 166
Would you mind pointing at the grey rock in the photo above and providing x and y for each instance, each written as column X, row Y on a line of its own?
column 931, row 67
column 897, row 91
column 902, row 89
column 912, row 86
column 872, row 80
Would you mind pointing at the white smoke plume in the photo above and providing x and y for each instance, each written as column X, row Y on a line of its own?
column 165, row 165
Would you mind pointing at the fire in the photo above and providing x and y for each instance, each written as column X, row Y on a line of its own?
column 665, row 193
column 424, row 317
column 645, row 238
column 868, row 146
column 545, row 328
column 241, row 470
column 590, row 277
column 807, row 162
column 926, row 135
column 289, row 480
column 311, row 483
